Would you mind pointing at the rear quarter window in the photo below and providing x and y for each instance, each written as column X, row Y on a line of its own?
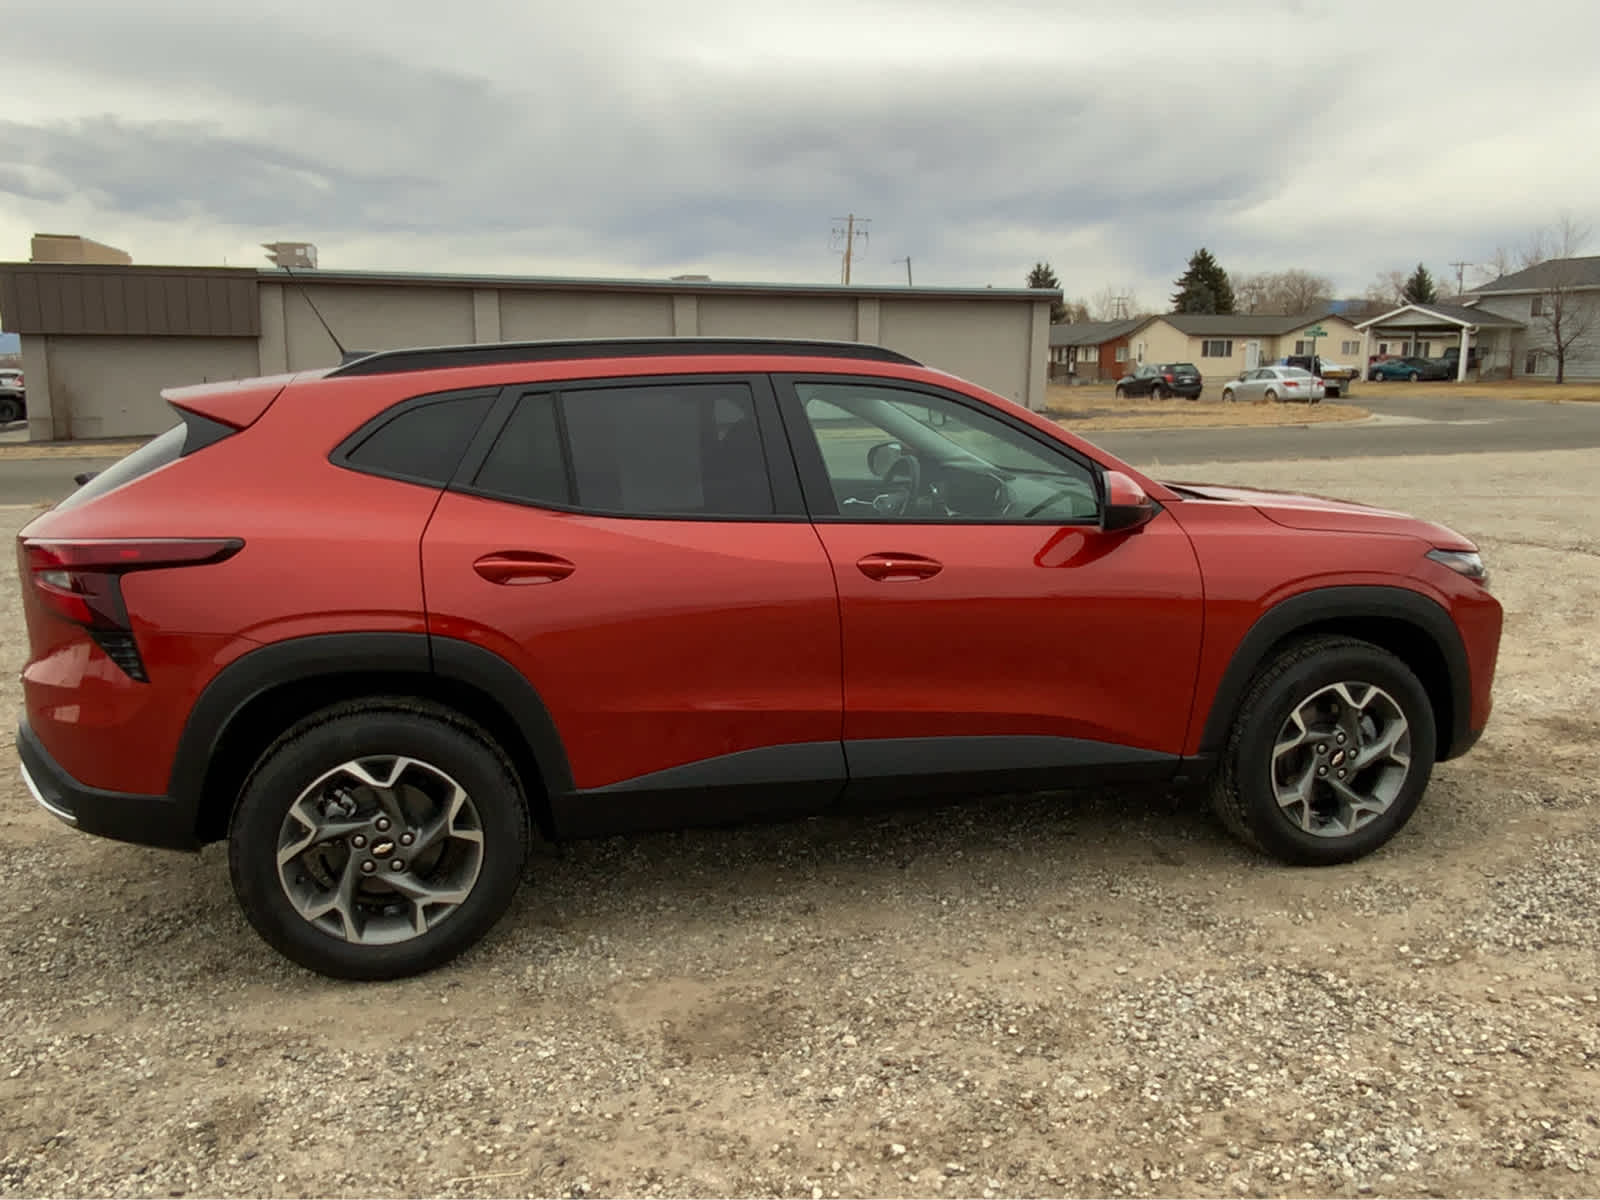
column 419, row 441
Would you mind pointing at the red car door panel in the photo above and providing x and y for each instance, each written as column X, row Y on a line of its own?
column 1023, row 630
column 986, row 618
column 653, row 643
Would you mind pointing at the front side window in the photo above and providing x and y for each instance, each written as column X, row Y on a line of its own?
column 893, row 454
column 645, row 450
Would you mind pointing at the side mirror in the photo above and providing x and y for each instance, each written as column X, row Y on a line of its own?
column 1126, row 506
column 882, row 456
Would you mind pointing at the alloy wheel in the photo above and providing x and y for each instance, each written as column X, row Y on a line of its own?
column 1341, row 759
column 380, row 850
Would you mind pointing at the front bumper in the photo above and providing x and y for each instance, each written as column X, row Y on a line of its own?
column 124, row 816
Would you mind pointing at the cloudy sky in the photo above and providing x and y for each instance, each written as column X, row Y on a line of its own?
column 626, row 138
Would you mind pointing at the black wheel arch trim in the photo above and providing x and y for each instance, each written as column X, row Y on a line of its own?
column 1307, row 611
column 303, row 659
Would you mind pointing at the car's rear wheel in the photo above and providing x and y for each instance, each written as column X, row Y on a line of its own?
column 1271, row 397
column 378, row 839
column 1329, row 754
column 1159, row 393
column 1414, row 377
column 10, row 409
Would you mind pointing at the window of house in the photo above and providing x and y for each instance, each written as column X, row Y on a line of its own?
column 1302, row 346
column 1530, row 364
column 1424, row 349
column 1122, row 354
column 1216, row 348
column 1536, row 309
column 651, row 450
column 1383, row 347
column 893, row 454
column 1349, row 347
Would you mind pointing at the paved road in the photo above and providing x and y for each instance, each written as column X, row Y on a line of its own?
column 1432, row 425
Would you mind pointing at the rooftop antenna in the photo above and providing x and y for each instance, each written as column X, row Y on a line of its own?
column 345, row 356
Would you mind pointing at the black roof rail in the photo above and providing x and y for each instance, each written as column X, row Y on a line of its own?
column 388, row 362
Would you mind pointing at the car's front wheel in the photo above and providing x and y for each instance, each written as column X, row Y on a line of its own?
column 1329, row 753
column 378, row 839
column 1414, row 377
column 1227, row 395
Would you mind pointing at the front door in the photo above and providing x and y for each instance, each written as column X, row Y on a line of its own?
column 990, row 630
column 638, row 551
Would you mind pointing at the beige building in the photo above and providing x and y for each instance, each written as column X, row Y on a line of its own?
column 99, row 343
column 1221, row 346
column 70, row 248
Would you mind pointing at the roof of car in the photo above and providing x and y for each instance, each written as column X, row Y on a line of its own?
column 421, row 358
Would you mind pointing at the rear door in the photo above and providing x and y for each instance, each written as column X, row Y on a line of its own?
column 637, row 548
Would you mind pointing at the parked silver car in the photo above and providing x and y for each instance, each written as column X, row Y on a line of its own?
column 1274, row 384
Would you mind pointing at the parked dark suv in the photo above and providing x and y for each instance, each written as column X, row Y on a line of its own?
column 370, row 624
column 1162, row 380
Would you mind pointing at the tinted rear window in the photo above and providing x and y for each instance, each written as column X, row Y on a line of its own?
column 1190, row 368
column 422, row 441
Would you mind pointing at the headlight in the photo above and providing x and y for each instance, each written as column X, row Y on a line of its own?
column 1462, row 562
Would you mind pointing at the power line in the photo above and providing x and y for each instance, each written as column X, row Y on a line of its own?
column 845, row 230
column 1461, row 268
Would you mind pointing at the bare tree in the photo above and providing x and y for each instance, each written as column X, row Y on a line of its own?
column 1251, row 292
column 1114, row 303
column 1564, row 312
column 1388, row 289
column 1297, row 291
column 1281, row 292
column 1077, row 311
column 1501, row 262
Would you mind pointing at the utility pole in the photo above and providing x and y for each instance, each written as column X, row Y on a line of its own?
column 1122, row 307
column 907, row 261
column 848, row 234
column 1461, row 268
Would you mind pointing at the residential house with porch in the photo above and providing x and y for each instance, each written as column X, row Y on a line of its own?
column 1486, row 342
column 1561, row 291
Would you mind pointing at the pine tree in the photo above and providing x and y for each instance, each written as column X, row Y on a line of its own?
column 1204, row 287
column 1419, row 288
column 1043, row 277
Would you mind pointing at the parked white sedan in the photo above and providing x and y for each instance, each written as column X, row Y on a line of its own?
column 1274, row 384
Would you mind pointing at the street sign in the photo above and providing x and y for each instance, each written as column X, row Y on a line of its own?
column 1316, row 331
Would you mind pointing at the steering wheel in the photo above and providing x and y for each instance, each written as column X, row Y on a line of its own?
column 907, row 471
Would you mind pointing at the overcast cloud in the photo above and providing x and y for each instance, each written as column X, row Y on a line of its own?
column 649, row 139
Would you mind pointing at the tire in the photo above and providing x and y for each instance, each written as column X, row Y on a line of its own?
column 1270, row 397
column 1122, row 393
column 10, row 409
column 1227, row 395
column 477, row 858
column 1317, row 672
column 1414, row 377
column 1158, row 393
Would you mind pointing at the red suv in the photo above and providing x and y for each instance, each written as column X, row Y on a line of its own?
column 369, row 624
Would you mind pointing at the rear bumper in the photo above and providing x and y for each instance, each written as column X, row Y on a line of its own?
column 124, row 816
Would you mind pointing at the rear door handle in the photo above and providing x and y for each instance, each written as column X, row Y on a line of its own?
column 522, row 567
column 887, row 567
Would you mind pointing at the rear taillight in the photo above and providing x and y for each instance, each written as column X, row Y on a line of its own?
column 79, row 581
column 1289, row 383
column 1168, row 378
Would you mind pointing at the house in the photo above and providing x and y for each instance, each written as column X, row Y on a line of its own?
column 1485, row 341
column 1090, row 351
column 1567, row 289
column 1223, row 344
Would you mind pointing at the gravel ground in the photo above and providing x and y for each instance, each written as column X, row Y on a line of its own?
column 1042, row 995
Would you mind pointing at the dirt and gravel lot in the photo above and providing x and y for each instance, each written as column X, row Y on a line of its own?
column 1044, row 995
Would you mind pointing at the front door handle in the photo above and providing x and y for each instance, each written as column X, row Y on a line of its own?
column 522, row 567
column 887, row 567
